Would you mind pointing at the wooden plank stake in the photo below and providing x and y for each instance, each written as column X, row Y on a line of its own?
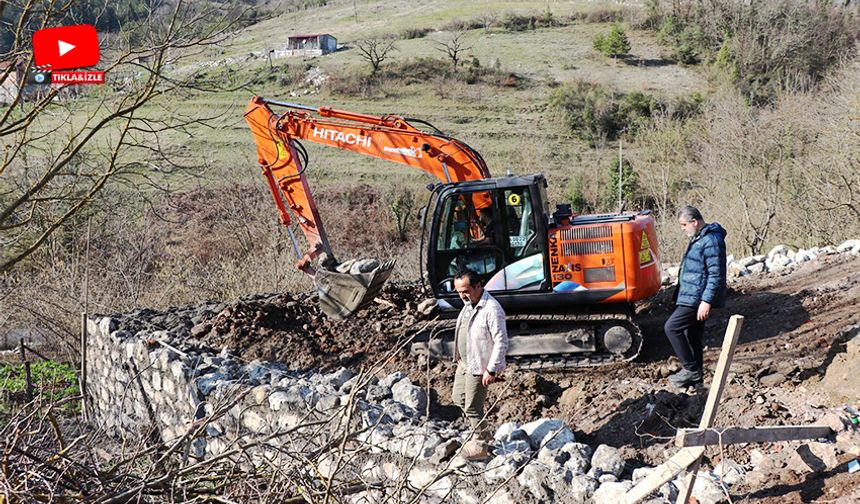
column 663, row 473
column 691, row 457
column 735, row 435
column 83, row 379
column 716, row 393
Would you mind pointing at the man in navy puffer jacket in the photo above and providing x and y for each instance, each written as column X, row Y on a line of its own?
column 701, row 287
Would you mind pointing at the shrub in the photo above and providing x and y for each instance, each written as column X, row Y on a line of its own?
column 688, row 42
column 547, row 20
column 311, row 4
column 613, row 44
column 401, row 203
column 422, row 70
column 636, row 108
column 630, row 191
column 687, row 106
column 417, row 70
column 575, row 195
column 480, row 22
column 586, row 110
column 762, row 48
column 591, row 113
column 604, row 14
column 415, row 33
column 517, row 23
column 353, row 84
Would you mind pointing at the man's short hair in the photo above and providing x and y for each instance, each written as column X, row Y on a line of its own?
column 470, row 275
column 690, row 213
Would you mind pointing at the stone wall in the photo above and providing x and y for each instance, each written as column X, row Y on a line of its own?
column 156, row 385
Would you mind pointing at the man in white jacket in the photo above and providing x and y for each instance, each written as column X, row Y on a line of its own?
column 480, row 343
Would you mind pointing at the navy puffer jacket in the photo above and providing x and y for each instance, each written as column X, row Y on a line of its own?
column 703, row 269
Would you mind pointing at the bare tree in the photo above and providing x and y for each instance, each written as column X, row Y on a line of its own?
column 488, row 19
column 454, row 46
column 375, row 50
column 61, row 153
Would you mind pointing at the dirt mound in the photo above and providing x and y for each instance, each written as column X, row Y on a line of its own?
column 291, row 328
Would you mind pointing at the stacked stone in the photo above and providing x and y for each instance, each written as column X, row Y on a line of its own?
column 137, row 384
column 151, row 380
column 778, row 258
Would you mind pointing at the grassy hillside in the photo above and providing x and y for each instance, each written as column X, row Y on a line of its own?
column 509, row 126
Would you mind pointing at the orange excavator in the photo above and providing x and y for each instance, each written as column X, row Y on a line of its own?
column 567, row 282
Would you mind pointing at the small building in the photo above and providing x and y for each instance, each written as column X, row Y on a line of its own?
column 11, row 85
column 19, row 81
column 307, row 46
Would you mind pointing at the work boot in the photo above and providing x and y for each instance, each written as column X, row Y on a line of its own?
column 685, row 378
column 475, row 451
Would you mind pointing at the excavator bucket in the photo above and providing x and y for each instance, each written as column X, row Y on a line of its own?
column 342, row 294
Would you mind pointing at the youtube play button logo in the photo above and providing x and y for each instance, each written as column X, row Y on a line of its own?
column 66, row 47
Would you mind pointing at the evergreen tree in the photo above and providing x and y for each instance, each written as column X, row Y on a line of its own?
column 630, row 190
column 614, row 44
column 576, row 196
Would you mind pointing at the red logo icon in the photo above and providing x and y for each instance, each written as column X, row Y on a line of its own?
column 66, row 47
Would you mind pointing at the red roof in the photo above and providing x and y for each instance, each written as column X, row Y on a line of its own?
column 313, row 35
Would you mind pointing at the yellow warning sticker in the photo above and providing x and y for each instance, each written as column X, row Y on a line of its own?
column 514, row 199
column 645, row 255
column 283, row 153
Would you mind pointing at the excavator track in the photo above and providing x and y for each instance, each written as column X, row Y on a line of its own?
column 525, row 329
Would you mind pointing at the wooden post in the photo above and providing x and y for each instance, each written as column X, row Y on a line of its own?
column 83, row 378
column 83, row 374
column 27, row 377
column 717, row 386
column 691, row 457
column 735, row 435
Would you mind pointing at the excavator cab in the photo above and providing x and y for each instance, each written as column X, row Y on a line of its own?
column 530, row 260
column 492, row 227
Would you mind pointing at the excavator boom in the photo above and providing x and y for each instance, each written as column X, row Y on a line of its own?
column 389, row 137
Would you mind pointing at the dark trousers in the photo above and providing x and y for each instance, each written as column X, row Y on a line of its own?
column 685, row 334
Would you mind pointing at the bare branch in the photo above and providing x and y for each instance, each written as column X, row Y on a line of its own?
column 375, row 50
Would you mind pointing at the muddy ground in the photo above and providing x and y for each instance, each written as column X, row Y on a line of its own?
column 796, row 325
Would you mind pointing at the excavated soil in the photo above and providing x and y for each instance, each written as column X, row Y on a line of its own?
column 796, row 323
column 291, row 328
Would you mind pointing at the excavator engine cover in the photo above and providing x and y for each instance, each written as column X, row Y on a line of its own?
column 342, row 294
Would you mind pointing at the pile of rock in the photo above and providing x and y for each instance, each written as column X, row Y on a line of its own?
column 778, row 258
column 537, row 461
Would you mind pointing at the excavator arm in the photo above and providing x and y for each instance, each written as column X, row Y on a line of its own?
column 389, row 137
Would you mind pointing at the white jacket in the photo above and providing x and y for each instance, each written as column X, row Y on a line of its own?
column 487, row 340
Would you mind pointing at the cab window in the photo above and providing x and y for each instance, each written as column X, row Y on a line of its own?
column 467, row 221
column 520, row 222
